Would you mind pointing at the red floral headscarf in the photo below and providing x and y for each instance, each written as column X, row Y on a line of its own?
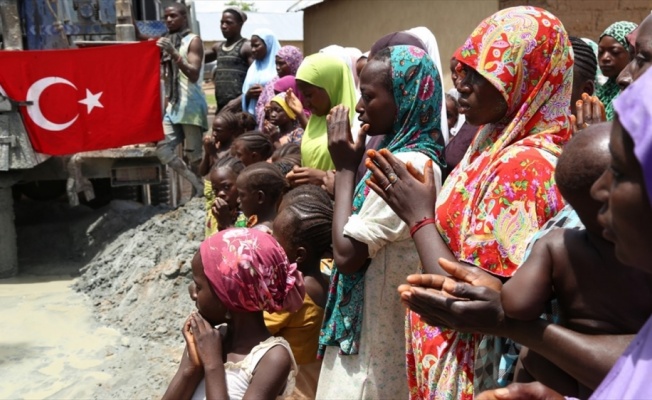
column 504, row 189
column 249, row 271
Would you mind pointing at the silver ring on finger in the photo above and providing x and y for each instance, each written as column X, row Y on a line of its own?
column 392, row 178
column 389, row 185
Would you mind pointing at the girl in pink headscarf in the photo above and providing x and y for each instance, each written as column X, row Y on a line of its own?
column 237, row 274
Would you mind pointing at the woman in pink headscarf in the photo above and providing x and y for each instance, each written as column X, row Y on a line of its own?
column 237, row 274
column 288, row 60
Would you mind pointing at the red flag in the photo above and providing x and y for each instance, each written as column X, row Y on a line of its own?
column 86, row 99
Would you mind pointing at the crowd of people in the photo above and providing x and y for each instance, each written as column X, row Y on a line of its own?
column 509, row 216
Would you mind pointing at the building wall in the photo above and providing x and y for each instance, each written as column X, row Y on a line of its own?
column 359, row 23
column 589, row 18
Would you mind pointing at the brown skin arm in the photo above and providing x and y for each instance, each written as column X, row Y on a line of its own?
column 350, row 255
column 587, row 358
column 185, row 380
column 270, row 375
column 210, row 153
column 195, row 60
column 524, row 295
column 412, row 197
column 245, row 52
column 305, row 176
column 190, row 372
column 209, row 349
column 211, row 54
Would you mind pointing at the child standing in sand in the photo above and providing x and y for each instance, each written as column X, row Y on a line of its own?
column 237, row 274
column 576, row 267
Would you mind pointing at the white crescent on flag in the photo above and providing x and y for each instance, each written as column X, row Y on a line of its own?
column 34, row 110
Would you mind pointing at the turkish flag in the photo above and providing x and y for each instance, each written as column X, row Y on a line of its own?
column 86, row 99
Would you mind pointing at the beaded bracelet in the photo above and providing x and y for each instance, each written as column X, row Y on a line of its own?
column 421, row 224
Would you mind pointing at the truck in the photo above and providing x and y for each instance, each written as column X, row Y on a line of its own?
column 95, row 177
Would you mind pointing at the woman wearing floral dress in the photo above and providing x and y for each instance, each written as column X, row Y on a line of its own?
column 515, row 83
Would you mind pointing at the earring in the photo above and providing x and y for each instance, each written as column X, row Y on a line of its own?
column 227, row 315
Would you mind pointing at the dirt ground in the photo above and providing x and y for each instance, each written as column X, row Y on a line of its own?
column 97, row 309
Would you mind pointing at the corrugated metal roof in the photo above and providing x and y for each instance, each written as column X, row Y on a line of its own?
column 303, row 4
column 286, row 26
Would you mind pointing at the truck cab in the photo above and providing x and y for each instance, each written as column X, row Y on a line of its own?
column 96, row 177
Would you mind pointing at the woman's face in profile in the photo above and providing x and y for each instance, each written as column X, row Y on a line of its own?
column 626, row 214
column 314, row 98
column 376, row 106
column 479, row 100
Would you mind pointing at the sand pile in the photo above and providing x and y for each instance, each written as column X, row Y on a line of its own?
column 139, row 280
column 138, row 284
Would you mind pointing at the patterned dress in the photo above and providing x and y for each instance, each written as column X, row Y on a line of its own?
column 361, row 340
column 503, row 190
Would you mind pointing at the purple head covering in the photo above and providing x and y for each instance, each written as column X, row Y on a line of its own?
column 289, row 82
column 634, row 109
column 396, row 39
column 292, row 56
column 285, row 83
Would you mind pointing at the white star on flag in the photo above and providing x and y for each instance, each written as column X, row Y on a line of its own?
column 92, row 101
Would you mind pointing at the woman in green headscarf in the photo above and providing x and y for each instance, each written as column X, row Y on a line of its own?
column 614, row 54
column 324, row 81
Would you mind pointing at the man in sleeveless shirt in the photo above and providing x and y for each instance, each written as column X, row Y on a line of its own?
column 185, row 118
column 233, row 59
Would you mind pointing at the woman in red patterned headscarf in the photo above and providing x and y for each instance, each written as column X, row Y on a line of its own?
column 515, row 82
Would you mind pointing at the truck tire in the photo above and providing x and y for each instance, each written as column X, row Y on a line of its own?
column 161, row 193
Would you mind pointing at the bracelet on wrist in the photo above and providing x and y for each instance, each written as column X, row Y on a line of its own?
column 421, row 224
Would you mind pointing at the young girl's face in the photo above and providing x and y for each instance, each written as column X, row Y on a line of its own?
column 223, row 184
column 220, row 131
column 208, row 304
column 246, row 156
column 277, row 114
column 315, row 98
column 247, row 198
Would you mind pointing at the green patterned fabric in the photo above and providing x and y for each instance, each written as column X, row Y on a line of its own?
column 417, row 95
column 610, row 90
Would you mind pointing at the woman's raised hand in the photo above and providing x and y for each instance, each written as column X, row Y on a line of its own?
column 410, row 193
column 589, row 110
column 345, row 153
column 293, row 102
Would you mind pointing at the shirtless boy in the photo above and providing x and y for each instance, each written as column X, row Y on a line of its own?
column 575, row 268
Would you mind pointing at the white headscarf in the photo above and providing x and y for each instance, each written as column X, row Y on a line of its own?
column 349, row 55
column 461, row 118
column 428, row 38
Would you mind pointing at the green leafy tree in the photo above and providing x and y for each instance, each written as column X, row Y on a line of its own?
column 243, row 5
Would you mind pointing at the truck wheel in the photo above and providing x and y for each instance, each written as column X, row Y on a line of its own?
column 161, row 193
